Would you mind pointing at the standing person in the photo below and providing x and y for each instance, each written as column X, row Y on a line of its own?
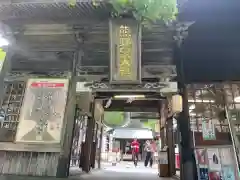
column 149, row 155
column 135, row 151
column 154, row 151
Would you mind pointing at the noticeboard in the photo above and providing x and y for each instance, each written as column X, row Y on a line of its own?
column 42, row 112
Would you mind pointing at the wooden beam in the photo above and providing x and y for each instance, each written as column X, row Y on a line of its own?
column 132, row 109
column 144, row 117
column 22, row 2
column 30, row 148
column 135, row 106
column 69, row 21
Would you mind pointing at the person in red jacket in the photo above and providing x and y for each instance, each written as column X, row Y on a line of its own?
column 135, row 151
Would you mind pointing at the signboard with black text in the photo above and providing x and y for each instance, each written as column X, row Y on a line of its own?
column 42, row 112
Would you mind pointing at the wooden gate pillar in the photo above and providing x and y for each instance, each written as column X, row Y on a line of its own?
column 171, row 146
column 188, row 164
column 64, row 158
column 94, row 145
column 88, row 143
column 187, row 158
column 100, row 146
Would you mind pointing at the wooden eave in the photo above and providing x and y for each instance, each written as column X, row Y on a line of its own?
column 135, row 106
column 85, row 31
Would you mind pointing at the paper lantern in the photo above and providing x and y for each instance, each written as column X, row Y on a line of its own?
column 176, row 103
column 157, row 127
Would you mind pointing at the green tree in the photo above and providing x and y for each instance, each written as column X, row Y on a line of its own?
column 145, row 11
column 150, row 123
column 114, row 118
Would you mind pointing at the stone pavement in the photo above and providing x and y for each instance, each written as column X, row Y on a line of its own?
column 128, row 167
column 123, row 170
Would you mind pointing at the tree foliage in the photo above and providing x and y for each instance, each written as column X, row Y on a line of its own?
column 146, row 11
column 114, row 118
column 2, row 54
column 150, row 123
column 72, row 3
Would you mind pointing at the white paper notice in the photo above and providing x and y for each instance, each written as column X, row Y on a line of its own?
column 214, row 159
column 226, row 156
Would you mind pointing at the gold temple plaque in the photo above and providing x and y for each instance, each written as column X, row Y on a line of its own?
column 125, row 51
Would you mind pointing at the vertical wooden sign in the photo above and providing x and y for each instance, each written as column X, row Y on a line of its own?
column 125, row 51
column 208, row 130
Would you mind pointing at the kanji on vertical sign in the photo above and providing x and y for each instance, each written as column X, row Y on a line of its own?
column 208, row 130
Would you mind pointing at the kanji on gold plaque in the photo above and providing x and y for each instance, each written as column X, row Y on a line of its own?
column 125, row 53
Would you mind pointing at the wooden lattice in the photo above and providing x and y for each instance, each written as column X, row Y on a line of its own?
column 11, row 107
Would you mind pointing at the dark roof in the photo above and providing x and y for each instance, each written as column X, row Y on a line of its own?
column 53, row 10
column 48, row 32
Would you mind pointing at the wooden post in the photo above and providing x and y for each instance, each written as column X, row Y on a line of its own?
column 162, row 136
column 74, row 128
column 64, row 158
column 188, row 165
column 165, row 133
column 83, row 144
column 187, row 159
column 88, row 143
column 100, row 146
column 170, row 144
column 94, row 145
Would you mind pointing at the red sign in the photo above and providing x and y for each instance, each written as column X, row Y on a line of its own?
column 177, row 161
column 47, row 84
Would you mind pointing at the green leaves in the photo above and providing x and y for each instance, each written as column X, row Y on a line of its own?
column 147, row 11
column 2, row 58
column 150, row 123
column 114, row 118
column 72, row 3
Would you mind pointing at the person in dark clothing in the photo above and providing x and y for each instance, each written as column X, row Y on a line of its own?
column 149, row 154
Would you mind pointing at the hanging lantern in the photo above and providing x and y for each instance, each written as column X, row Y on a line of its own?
column 176, row 103
column 157, row 127
column 98, row 111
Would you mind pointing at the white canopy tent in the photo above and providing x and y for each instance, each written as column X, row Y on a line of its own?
column 131, row 133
